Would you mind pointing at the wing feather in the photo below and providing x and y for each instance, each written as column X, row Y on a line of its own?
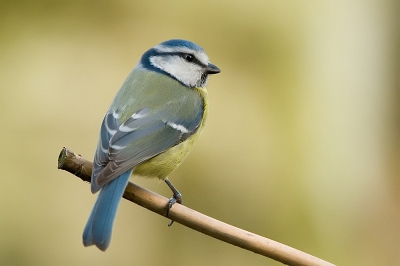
column 108, row 128
column 143, row 145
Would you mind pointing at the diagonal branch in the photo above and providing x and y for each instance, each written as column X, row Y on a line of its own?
column 77, row 165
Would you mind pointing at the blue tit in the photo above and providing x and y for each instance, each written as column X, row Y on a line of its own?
column 149, row 129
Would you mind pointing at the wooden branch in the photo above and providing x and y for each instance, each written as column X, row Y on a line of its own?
column 75, row 164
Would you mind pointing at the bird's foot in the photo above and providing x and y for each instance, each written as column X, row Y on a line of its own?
column 176, row 198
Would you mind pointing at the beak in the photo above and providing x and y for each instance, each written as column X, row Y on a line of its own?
column 212, row 69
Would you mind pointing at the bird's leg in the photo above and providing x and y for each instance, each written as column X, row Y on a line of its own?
column 176, row 197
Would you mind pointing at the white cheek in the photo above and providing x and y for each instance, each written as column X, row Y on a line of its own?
column 188, row 73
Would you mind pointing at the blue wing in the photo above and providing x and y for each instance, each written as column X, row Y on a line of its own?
column 142, row 136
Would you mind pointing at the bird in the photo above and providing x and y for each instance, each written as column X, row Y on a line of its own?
column 149, row 128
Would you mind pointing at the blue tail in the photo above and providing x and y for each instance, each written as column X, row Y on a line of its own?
column 98, row 229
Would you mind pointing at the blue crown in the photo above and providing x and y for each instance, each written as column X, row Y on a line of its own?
column 182, row 43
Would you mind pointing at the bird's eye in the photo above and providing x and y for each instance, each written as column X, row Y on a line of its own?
column 188, row 57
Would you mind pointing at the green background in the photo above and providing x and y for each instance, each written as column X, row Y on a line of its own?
column 301, row 143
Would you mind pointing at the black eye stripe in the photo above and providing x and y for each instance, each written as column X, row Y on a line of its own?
column 193, row 60
column 183, row 55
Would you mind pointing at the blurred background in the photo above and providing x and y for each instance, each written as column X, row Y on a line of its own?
column 301, row 143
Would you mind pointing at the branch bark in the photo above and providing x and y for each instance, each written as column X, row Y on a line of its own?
column 77, row 165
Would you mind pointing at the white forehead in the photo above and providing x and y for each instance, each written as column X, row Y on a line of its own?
column 200, row 55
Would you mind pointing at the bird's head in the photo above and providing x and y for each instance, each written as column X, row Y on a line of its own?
column 182, row 60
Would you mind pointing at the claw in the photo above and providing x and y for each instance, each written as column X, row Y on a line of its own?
column 171, row 202
column 176, row 198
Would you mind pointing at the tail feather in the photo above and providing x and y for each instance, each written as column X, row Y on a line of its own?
column 98, row 229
